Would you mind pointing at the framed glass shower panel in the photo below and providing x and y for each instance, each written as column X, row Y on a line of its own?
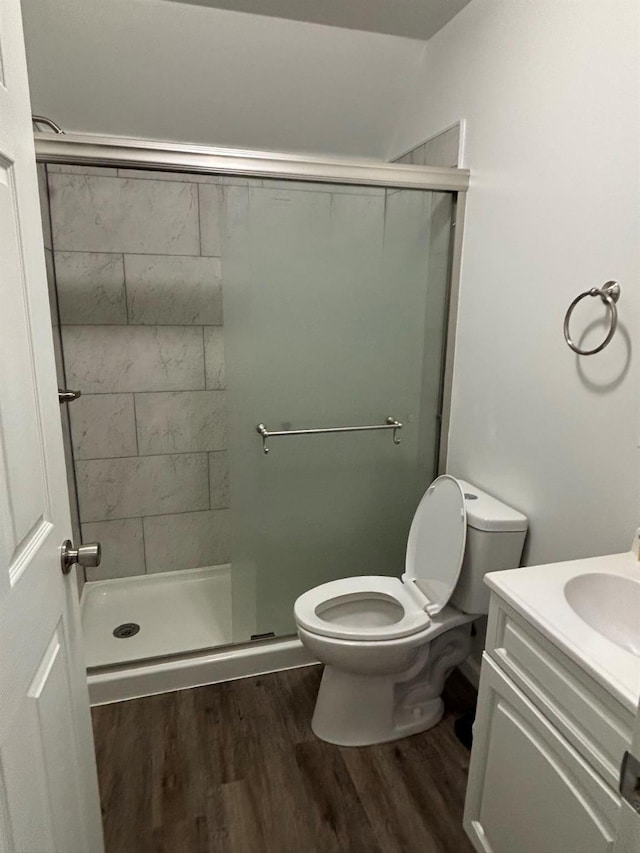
column 335, row 308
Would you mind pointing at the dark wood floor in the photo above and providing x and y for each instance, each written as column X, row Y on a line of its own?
column 235, row 768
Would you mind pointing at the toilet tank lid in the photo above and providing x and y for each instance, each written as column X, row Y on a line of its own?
column 484, row 512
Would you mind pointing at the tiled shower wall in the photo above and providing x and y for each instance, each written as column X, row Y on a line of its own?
column 137, row 259
column 139, row 288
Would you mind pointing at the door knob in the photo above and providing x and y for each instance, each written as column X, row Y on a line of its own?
column 86, row 555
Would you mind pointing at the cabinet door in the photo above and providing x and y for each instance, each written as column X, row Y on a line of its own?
column 529, row 790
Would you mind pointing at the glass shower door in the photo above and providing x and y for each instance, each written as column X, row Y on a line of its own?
column 335, row 309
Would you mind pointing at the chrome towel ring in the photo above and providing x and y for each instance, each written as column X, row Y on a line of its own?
column 609, row 293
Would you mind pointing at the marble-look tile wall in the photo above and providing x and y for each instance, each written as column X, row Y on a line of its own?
column 139, row 296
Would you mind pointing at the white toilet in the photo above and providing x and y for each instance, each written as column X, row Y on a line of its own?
column 388, row 644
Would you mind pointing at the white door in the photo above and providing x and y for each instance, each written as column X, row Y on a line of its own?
column 629, row 828
column 48, row 785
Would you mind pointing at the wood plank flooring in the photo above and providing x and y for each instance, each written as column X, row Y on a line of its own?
column 235, row 768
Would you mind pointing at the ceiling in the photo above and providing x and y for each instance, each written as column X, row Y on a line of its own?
column 418, row 19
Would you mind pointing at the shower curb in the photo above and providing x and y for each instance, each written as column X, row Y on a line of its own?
column 133, row 681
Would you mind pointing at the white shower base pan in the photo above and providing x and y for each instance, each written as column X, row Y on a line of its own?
column 177, row 612
column 185, row 638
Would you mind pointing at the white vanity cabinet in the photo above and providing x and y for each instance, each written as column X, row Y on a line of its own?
column 548, row 742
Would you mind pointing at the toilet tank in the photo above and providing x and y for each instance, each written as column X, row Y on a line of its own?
column 495, row 538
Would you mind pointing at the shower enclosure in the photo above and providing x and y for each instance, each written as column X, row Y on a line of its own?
column 210, row 307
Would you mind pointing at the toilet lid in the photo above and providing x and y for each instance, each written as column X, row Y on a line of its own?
column 436, row 542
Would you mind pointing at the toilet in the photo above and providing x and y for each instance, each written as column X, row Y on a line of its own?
column 387, row 643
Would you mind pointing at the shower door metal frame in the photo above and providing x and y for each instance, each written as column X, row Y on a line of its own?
column 87, row 149
column 76, row 149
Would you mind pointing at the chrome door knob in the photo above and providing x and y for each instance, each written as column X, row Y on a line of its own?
column 86, row 555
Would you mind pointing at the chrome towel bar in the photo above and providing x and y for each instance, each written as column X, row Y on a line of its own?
column 609, row 293
column 390, row 423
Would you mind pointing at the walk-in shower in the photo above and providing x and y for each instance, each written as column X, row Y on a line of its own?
column 207, row 316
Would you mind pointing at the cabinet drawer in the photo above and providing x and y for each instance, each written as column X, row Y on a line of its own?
column 591, row 720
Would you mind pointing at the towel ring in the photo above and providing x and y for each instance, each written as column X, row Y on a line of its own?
column 609, row 293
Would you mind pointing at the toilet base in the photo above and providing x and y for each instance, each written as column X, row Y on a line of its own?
column 361, row 710
column 355, row 710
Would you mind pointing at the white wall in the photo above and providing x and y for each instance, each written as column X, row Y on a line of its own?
column 164, row 70
column 550, row 90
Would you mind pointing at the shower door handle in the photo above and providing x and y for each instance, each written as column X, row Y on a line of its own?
column 66, row 396
column 88, row 555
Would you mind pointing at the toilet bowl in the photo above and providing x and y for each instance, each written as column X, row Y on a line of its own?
column 388, row 644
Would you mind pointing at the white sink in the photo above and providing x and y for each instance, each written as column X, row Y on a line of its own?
column 590, row 610
column 610, row 604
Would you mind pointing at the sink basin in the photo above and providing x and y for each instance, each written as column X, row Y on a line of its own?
column 610, row 604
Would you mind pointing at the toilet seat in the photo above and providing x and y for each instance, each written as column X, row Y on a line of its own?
column 379, row 608
column 362, row 608
column 436, row 543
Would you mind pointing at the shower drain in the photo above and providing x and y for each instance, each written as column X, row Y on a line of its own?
column 128, row 629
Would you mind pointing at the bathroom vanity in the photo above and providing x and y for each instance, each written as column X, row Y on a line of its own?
column 558, row 696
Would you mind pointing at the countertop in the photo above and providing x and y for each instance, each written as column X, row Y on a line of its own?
column 537, row 593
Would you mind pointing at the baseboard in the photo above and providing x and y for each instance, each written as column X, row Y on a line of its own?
column 132, row 681
column 470, row 669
